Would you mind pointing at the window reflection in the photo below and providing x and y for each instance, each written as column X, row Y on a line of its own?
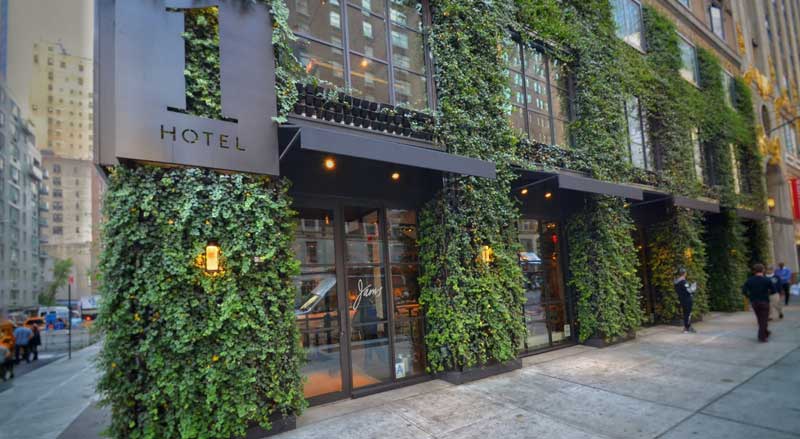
column 628, row 19
column 369, row 78
column 324, row 62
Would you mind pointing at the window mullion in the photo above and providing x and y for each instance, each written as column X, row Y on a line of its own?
column 549, row 99
column 522, row 62
column 346, row 45
column 387, row 21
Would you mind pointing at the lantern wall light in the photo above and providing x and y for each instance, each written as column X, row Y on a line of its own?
column 212, row 257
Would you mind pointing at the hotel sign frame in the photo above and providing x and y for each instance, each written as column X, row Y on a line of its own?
column 139, row 84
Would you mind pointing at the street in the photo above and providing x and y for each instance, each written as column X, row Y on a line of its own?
column 718, row 383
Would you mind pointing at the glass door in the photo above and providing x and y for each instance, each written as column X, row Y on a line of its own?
column 317, row 302
column 545, row 311
column 366, row 296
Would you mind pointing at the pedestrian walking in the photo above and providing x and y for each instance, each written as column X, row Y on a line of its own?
column 775, row 299
column 785, row 274
column 685, row 291
column 23, row 336
column 6, row 363
column 36, row 341
column 757, row 288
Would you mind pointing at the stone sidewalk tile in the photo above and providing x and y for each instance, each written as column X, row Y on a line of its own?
column 375, row 423
column 521, row 424
column 708, row 427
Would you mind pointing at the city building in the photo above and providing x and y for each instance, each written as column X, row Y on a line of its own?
column 21, row 208
column 768, row 43
column 62, row 112
column 599, row 184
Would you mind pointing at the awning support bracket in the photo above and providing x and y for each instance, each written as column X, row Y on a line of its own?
column 656, row 200
column 535, row 183
column 290, row 145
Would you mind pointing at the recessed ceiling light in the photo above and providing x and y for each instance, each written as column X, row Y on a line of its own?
column 330, row 163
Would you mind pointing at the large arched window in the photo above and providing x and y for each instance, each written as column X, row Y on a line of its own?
column 376, row 48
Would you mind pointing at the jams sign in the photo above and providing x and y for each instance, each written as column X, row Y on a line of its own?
column 142, row 115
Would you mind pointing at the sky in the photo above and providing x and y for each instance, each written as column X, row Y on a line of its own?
column 70, row 22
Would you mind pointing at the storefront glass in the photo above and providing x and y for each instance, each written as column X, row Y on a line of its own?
column 379, row 255
column 316, row 303
column 546, row 316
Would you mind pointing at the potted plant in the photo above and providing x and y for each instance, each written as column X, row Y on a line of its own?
column 299, row 108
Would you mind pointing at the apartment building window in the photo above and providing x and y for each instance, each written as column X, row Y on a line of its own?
column 376, row 48
column 728, row 88
column 539, row 94
column 56, row 168
column 715, row 19
column 735, row 167
column 628, row 19
column 58, row 218
column 688, row 70
column 638, row 147
column 790, row 139
column 58, row 230
column 697, row 154
column 685, row 3
column 57, row 193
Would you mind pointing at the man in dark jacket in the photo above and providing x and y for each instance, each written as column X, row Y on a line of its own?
column 757, row 289
column 684, row 291
column 35, row 342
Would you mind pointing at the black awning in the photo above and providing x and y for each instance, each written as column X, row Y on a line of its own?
column 581, row 183
column 329, row 138
column 693, row 203
column 782, row 220
column 751, row 214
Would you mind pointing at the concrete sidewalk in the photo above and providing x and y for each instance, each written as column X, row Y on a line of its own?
column 42, row 403
column 718, row 383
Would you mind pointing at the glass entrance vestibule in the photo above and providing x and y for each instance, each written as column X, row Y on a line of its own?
column 357, row 298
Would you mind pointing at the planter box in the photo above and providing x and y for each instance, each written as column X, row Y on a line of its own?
column 279, row 425
column 602, row 342
column 479, row 372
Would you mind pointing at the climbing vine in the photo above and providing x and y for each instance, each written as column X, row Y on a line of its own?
column 188, row 354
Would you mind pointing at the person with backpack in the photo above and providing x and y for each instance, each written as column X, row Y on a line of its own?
column 685, row 291
column 757, row 289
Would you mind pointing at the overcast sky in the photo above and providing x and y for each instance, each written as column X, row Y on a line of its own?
column 70, row 22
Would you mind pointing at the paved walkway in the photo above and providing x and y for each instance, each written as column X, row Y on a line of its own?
column 41, row 404
column 719, row 383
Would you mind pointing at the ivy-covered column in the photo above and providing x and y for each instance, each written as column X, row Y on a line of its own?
column 189, row 353
column 671, row 108
column 471, row 281
column 603, row 263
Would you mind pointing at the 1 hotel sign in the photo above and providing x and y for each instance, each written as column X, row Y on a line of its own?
column 141, row 91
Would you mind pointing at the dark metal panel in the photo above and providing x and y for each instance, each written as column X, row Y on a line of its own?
column 692, row 203
column 379, row 148
column 782, row 220
column 142, row 74
column 591, row 185
column 751, row 214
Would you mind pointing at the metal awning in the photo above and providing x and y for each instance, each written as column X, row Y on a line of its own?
column 331, row 138
column 579, row 183
column 696, row 204
column 751, row 214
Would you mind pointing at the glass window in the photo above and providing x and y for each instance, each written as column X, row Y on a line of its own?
column 689, row 57
column 540, row 106
column 685, row 3
column 728, row 88
column 628, row 19
column 640, row 155
column 715, row 19
column 789, row 137
column 379, row 58
column 737, row 184
column 697, row 155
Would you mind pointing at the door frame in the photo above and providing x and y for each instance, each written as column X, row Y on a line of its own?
column 337, row 204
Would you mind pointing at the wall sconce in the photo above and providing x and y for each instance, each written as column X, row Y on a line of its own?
column 548, row 195
column 395, row 176
column 524, row 191
column 212, row 257
column 771, row 203
column 487, row 254
column 330, row 164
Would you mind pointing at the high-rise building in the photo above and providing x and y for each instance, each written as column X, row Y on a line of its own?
column 62, row 111
column 768, row 42
column 21, row 183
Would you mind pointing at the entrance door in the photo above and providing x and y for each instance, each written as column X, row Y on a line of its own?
column 546, row 316
column 357, row 302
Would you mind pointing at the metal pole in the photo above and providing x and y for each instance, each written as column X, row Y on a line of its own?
column 69, row 319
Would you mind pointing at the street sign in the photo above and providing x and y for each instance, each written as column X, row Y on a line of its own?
column 72, row 280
